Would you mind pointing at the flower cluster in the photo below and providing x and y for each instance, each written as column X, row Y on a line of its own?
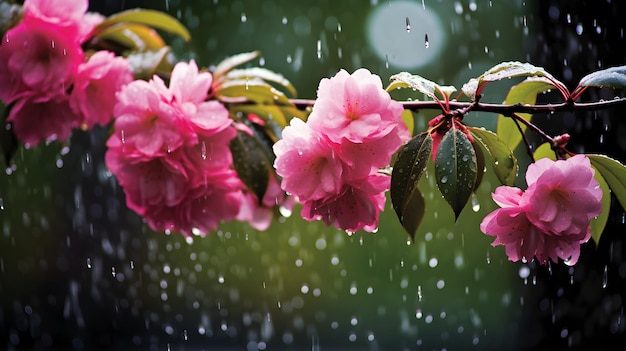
column 550, row 220
column 51, row 84
column 331, row 163
column 170, row 152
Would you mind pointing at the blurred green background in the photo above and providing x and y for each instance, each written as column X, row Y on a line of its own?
column 78, row 270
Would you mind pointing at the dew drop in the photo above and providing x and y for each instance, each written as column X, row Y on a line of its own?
column 444, row 179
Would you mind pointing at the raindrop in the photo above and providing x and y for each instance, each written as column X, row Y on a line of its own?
column 113, row 273
column 426, row 42
column 220, row 279
column 319, row 49
column 605, row 278
column 203, row 146
column 419, row 293
column 458, row 8
column 244, row 18
column 475, row 203
column 408, row 25
column 88, row 262
column 285, row 20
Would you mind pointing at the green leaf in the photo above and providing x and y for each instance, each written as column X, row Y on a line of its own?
column 145, row 64
column 132, row 36
column 251, row 163
column 251, row 90
column 544, row 151
column 261, row 73
column 597, row 224
column 233, row 61
column 504, row 161
column 480, row 165
column 507, row 70
column 614, row 173
column 410, row 164
column 413, row 212
column 418, row 83
column 455, row 169
column 409, row 121
column 613, row 78
column 151, row 18
column 522, row 93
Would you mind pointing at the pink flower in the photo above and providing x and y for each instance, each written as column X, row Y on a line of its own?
column 68, row 14
column 202, row 208
column 35, row 56
column 145, row 122
column 96, row 84
column 37, row 118
column 563, row 196
column 546, row 221
column 357, row 206
column 354, row 107
column 309, row 166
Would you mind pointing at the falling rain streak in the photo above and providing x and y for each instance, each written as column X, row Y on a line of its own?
column 426, row 42
column 408, row 25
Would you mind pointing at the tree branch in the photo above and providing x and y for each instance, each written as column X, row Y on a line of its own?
column 498, row 108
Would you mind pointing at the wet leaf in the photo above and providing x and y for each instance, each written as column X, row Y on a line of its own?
column 613, row 78
column 132, row 36
column 480, row 165
column 145, row 64
column 418, row 83
column 522, row 93
column 251, row 163
column 250, row 90
column 151, row 18
column 504, row 161
column 233, row 61
column 413, row 212
column 614, row 173
column 410, row 164
column 506, row 70
column 597, row 224
column 455, row 169
column 261, row 73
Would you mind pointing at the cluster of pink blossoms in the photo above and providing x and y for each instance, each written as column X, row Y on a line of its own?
column 331, row 163
column 47, row 79
column 170, row 152
column 550, row 220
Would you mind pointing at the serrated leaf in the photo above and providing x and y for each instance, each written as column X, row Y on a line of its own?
column 233, row 61
column 504, row 161
column 145, row 64
column 506, row 70
column 413, row 212
column 480, row 165
column 544, row 151
column 418, row 83
column 522, row 93
column 151, row 18
column 614, row 173
column 411, row 161
column 251, row 163
column 132, row 36
column 261, row 73
column 597, row 224
column 455, row 169
column 250, row 90
column 613, row 78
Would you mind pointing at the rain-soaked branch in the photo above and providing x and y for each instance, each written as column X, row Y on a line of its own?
column 504, row 109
